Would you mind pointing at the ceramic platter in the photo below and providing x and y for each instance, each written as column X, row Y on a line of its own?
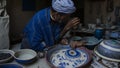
column 65, row 57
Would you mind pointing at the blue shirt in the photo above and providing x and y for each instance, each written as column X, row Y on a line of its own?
column 41, row 29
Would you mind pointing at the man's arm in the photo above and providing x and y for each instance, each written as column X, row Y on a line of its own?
column 36, row 39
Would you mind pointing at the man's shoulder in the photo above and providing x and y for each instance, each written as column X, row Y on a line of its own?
column 42, row 11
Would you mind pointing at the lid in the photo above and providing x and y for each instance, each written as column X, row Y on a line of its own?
column 112, row 43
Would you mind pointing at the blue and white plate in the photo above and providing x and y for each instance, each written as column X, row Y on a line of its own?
column 65, row 57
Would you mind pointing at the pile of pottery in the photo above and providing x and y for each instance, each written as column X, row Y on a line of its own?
column 102, row 63
column 109, row 50
column 107, row 54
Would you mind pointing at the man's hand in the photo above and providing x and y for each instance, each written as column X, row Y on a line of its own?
column 64, row 41
column 75, row 44
column 73, row 22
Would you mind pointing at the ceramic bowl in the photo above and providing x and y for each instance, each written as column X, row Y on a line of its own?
column 109, row 50
column 91, row 42
column 76, row 38
column 25, row 56
column 115, row 35
column 5, row 57
column 10, row 66
column 62, row 56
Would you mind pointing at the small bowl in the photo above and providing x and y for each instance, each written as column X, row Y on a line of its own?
column 10, row 66
column 109, row 50
column 5, row 57
column 91, row 42
column 76, row 38
column 25, row 56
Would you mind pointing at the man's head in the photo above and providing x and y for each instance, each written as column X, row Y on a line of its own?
column 62, row 9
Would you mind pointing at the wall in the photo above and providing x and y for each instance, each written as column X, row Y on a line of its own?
column 19, row 18
column 97, row 9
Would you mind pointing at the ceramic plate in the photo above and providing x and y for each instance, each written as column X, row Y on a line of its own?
column 68, row 58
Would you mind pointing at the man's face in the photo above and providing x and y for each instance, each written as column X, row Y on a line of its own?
column 61, row 18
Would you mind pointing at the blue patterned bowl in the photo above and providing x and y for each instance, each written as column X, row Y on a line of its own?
column 10, row 66
column 62, row 56
column 109, row 50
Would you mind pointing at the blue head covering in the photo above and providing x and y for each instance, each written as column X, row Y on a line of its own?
column 63, row 6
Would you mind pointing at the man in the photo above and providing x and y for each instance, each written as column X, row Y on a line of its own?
column 49, row 25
